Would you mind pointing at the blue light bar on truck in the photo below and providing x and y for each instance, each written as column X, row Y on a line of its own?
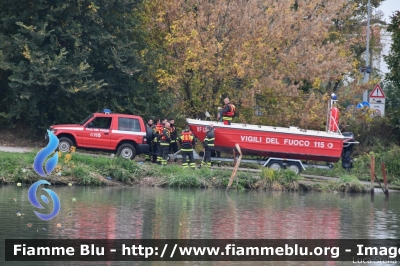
column 107, row 111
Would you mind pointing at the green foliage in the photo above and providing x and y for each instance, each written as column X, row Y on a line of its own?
column 390, row 156
column 287, row 176
column 349, row 179
column 393, row 77
column 374, row 134
column 9, row 165
column 61, row 60
column 86, row 170
column 392, row 90
column 278, row 180
column 269, row 175
column 183, row 179
column 80, row 172
column 349, row 183
column 84, row 176
column 17, row 167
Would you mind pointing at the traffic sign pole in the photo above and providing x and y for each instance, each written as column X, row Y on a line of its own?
column 366, row 74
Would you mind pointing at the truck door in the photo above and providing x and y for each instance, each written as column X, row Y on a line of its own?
column 96, row 133
column 128, row 128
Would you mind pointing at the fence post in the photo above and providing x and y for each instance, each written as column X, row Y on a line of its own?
column 385, row 179
column 372, row 174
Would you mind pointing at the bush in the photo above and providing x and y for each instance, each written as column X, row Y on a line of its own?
column 269, row 175
column 349, row 183
column 374, row 133
column 187, row 181
column 278, row 180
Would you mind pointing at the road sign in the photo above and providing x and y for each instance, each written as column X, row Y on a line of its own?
column 377, row 92
column 377, row 100
column 379, row 109
column 363, row 104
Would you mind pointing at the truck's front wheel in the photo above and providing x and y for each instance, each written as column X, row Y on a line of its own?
column 127, row 151
column 64, row 144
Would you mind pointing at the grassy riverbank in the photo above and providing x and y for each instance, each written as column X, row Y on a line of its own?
column 361, row 170
column 78, row 169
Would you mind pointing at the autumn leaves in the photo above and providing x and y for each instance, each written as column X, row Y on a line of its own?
column 245, row 49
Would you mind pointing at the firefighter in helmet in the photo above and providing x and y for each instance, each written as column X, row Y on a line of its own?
column 187, row 141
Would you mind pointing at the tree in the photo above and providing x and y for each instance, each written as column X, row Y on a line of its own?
column 393, row 77
column 260, row 53
column 60, row 60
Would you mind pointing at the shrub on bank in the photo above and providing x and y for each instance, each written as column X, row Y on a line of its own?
column 278, row 180
column 374, row 133
column 349, row 183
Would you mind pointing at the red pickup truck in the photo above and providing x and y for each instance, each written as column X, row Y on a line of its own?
column 123, row 134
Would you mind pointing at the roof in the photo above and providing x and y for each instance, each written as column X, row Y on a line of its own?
column 118, row 115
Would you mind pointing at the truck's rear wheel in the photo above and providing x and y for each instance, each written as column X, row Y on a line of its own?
column 65, row 144
column 275, row 165
column 127, row 151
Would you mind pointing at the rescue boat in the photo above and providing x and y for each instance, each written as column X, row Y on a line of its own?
column 282, row 143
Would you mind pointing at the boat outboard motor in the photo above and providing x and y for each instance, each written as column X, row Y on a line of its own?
column 347, row 161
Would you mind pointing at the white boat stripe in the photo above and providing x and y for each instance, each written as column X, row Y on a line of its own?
column 267, row 129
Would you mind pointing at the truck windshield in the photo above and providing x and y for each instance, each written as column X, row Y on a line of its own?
column 86, row 119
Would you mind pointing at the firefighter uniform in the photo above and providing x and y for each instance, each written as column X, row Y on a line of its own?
column 149, row 137
column 157, row 131
column 165, row 139
column 187, row 141
column 173, row 146
column 227, row 113
column 209, row 146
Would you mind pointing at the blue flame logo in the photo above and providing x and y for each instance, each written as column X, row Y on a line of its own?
column 38, row 167
column 34, row 201
column 42, row 155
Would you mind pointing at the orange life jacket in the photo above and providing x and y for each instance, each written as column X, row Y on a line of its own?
column 159, row 129
column 162, row 135
column 232, row 111
column 187, row 139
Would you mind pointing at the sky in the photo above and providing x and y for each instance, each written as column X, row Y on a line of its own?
column 387, row 6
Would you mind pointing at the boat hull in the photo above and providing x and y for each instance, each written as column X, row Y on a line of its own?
column 286, row 143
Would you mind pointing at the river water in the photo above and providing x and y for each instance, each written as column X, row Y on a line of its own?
column 144, row 213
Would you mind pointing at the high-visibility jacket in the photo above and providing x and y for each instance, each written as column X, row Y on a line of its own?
column 209, row 139
column 187, row 141
column 228, row 112
column 165, row 137
column 157, row 131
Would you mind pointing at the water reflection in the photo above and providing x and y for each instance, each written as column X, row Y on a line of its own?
column 134, row 213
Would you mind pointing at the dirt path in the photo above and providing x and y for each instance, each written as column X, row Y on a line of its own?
column 14, row 149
